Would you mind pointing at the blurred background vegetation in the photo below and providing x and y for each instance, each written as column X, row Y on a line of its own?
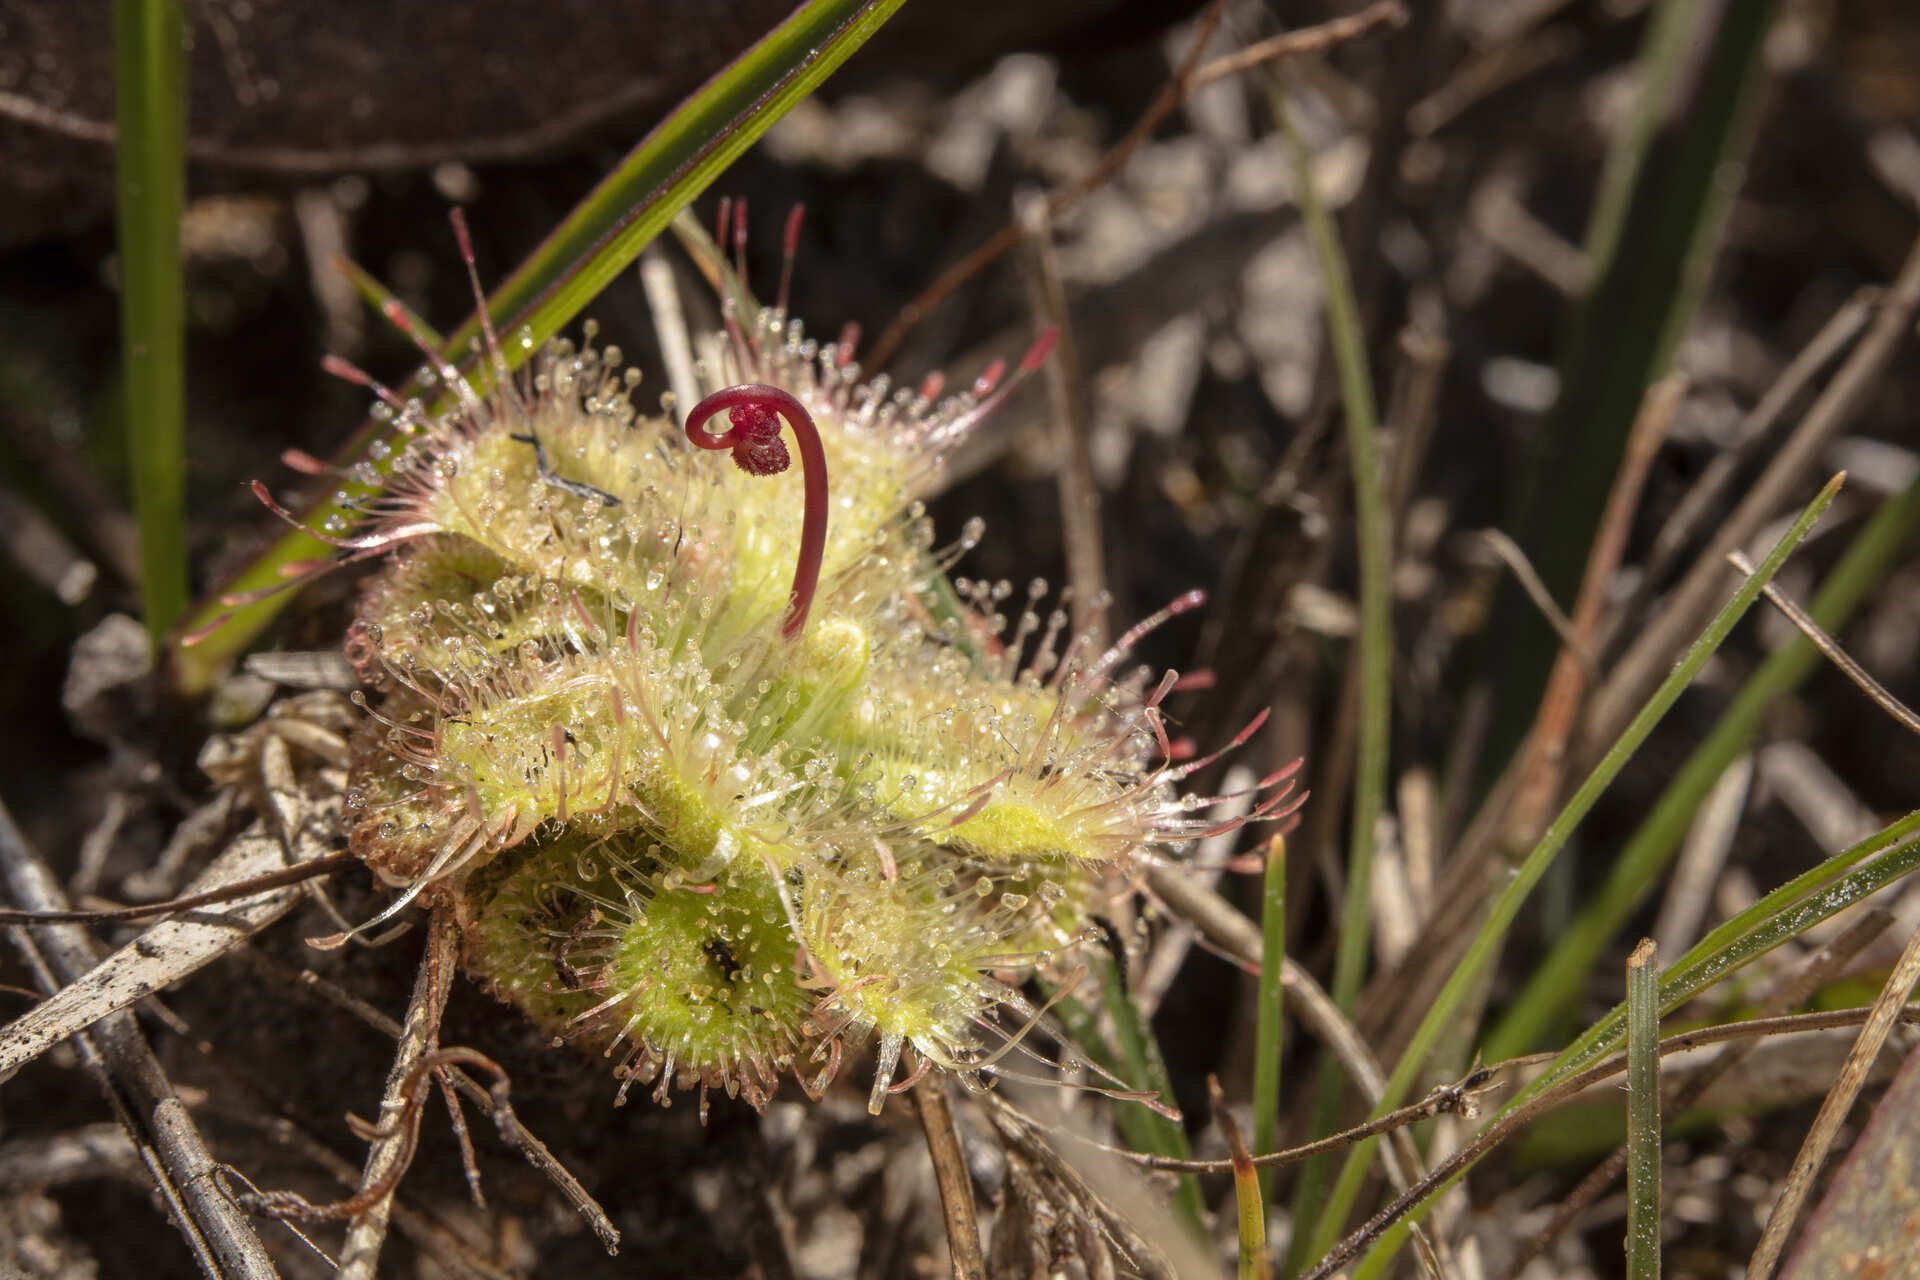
column 1543, row 207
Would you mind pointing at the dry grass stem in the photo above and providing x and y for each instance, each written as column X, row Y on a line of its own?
column 1665, row 635
column 1703, row 857
column 1681, row 528
column 1072, row 432
column 1511, row 555
column 398, row 1122
column 670, row 323
column 951, row 1176
column 1831, row 650
column 1890, row 1005
column 1545, row 753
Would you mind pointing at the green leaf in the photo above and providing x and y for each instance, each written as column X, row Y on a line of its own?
column 582, row 256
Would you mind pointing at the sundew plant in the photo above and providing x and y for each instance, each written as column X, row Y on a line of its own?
column 717, row 769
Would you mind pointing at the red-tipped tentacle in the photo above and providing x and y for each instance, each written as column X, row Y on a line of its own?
column 791, row 248
column 495, row 356
column 740, row 240
column 754, row 410
column 992, row 387
column 306, row 464
column 366, row 542
column 347, row 371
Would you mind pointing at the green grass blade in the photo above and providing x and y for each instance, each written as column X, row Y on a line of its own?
column 1138, row 1064
column 150, row 111
column 1492, row 933
column 1843, row 880
column 1643, row 1114
column 1373, row 652
column 1251, row 1219
column 586, row 252
column 1784, row 914
column 1148, row 1130
column 1558, row 982
column 1268, row 1023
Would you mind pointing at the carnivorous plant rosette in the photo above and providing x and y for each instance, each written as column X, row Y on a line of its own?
column 719, row 771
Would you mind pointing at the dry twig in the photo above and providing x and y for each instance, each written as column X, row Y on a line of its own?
column 399, row 1122
column 1830, row 650
column 950, row 1174
column 531, row 1148
column 1072, row 434
column 155, row 1119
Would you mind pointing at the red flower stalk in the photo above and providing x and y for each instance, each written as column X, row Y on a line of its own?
column 755, row 410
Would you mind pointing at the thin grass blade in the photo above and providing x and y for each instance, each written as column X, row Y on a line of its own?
column 1643, row 1113
column 150, row 111
column 1840, row 882
column 1373, row 651
column 1492, row 933
column 1557, row 983
column 1272, row 995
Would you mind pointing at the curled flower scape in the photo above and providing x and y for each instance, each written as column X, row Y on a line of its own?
column 755, row 411
column 722, row 822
